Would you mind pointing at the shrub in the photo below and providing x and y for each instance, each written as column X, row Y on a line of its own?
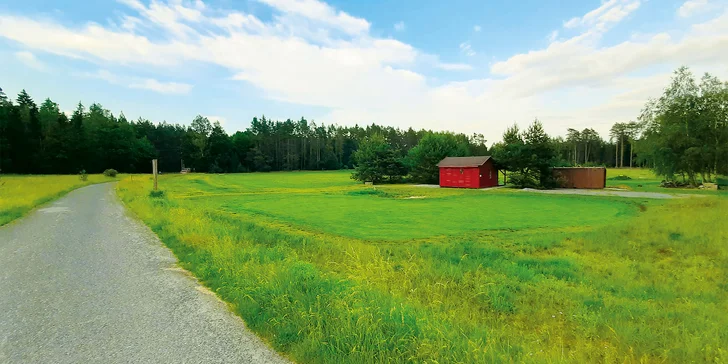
column 156, row 194
column 673, row 184
column 110, row 173
column 523, row 180
column 721, row 181
column 82, row 175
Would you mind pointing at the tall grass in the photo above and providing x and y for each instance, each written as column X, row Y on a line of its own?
column 20, row 194
column 648, row 289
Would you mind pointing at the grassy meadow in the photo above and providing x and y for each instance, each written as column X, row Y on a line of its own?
column 643, row 180
column 20, row 194
column 329, row 271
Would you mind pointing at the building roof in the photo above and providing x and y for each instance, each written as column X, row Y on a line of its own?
column 463, row 161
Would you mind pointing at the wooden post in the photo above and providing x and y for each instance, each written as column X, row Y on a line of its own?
column 154, row 170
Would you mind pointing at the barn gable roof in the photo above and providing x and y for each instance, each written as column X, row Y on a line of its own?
column 463, row 161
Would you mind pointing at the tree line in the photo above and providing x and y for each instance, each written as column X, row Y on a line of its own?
column 42, row 139
column 681, row 135
column 684, row 132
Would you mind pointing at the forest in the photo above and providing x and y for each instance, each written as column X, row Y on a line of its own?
column 682, row 134
column 43, row 140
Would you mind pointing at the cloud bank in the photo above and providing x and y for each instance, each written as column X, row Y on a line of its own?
column 310, row 53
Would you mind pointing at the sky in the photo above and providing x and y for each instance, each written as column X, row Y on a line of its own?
column 471, row 66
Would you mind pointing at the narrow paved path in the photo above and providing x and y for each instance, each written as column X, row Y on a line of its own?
column 82, row 282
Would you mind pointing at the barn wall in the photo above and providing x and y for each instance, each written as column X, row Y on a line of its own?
column 488, row 175
column 467, row 177
column 593, row 178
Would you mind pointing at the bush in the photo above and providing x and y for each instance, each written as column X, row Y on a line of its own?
column 523, row 180
column 673, row 184
column 156, row 194
column 721, row 181
column 110, row 173
column 82, row 175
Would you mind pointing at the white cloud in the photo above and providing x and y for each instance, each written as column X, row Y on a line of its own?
column 310, row 53
column 318, row 11
column 467, row 49
column 161, row 87
column 610, row 12
column 31, row 61
column 713, row 27
column 553, row 36
column 477, row 28
column 454, row 66
column 692, row 7
column 399, row 26
column 130, row 23
column 90, row 40
column 140, row 83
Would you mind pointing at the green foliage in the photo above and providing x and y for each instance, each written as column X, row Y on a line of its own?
column 529, row 155
column 686, row 130
column 44, row 140
column 376, row 161
column 110, row 173
column 523, row 180
column 328, row 274
column 721, row 181
column 82, row 175
column 432, row 148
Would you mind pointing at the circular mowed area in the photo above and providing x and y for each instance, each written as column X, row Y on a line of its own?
column 386, row 218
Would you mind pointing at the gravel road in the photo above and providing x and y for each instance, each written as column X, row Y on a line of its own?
column 82, row 282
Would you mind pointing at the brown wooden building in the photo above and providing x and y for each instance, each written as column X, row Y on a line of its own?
column 581, row 177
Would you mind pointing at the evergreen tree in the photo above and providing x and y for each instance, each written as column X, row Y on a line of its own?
column 77, row 136
column 431, row 149
column 528, row 155
column 376, row 161
column 6, row 109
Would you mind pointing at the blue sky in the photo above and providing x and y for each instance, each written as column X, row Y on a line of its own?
column 462, row 65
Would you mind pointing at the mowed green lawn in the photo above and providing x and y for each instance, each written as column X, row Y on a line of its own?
column 328, row 271
column 329, row 202
column 377, row 217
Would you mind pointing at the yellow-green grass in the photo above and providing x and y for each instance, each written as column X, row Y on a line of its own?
column 21, row 193
column 644, row 180
column 638, row 281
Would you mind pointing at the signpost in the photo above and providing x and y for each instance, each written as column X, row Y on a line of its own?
column 154, row 170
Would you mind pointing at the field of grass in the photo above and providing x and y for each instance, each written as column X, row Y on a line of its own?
column 330, row 271
column 20, row 194
column 644, row 180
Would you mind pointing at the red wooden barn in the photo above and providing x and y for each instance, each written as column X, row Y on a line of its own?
column 468, row 172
